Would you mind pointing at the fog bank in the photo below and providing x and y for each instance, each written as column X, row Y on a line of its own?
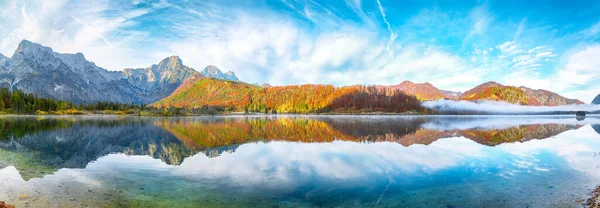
column 496, row 107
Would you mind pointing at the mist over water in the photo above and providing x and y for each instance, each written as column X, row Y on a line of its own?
column 498, row 107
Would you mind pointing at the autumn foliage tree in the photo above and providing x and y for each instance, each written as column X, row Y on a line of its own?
column 237, row 96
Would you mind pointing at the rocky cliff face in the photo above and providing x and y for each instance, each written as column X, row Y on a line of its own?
column 213, row 71
column 3, row 60
column 37, row 69
column 159, row 80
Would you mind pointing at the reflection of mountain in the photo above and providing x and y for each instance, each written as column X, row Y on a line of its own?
column 37, row 147
column 42, row 151
column 200, row 134
column 516, row 134
column 596, row 128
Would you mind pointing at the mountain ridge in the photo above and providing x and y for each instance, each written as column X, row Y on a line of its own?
column 213, row 71
column 37, row 69
column 423, row 91
column 516, row 95
column 40, row 70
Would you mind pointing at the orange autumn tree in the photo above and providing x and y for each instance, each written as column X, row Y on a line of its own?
column 238, row 96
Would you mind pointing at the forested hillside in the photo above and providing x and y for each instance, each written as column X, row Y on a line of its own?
column 201, row 92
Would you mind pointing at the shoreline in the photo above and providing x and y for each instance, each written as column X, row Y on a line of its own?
column 594, row 200
column 306, row 114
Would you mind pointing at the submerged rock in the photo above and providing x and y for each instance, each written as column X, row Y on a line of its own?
column 594, row 201
column 4, row 205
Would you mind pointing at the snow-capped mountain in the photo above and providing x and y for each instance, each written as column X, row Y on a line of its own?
column 37, row 69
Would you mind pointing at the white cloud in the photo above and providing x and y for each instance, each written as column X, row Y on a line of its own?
column 393, row 35
column 509, row 47
column 593, row 30
column 309, row 42
column 585, row 61
column 70, row 27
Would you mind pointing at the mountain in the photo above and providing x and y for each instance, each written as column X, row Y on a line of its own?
column 3, row 60
column 521, row 95
column 213, row 71
column 200, row 92
column 39, row 70
column 546, row 98
column 452, row 94
column 423, row 91
column 36, row 69
column 159, row 80
column 496, row 92
column 596, row 100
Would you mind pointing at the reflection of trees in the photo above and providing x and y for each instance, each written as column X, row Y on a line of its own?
column 38, row 147
column 516, row 134
column 14, row 127
column 199, row 134
column 40, row 152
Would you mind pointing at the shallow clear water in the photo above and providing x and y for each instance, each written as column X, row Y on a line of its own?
column 299, row 161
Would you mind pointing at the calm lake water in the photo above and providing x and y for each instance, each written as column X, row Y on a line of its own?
column 299, row 161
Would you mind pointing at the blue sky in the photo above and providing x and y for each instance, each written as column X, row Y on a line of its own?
column 454, row 45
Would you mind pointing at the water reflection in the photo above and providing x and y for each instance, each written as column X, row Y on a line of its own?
column 47, row 144
column 298, row 160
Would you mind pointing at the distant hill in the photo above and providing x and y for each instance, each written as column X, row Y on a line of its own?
column 199, row 92
column 516, row 95
column 496, row 92
column 547, row 98
column 423, row 91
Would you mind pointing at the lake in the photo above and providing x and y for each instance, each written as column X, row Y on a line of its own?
column 299, row 161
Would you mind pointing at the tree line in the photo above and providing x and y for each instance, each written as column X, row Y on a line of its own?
column 308, row 98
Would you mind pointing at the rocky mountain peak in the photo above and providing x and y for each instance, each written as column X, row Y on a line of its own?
column 213, row 71
column 491, row 83
column 230, row 73
column 28, row 47
column 596, row 100
column 406, row 82
column 171, row 62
